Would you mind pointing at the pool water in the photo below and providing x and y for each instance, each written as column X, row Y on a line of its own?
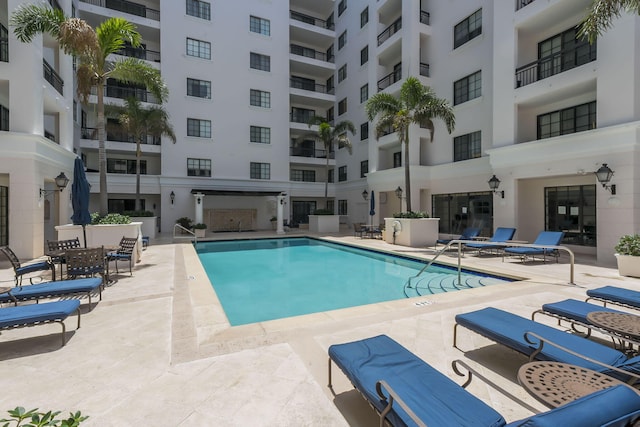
column 266, row 279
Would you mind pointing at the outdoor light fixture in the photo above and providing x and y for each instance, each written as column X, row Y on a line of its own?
column 399, row 192
column 604, row 175
column 172, row 196
column 365, row 195
column 494, row 183
column 61, row 183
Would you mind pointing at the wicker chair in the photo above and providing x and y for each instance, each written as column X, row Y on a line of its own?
column 20, row 270
column 124, row 252
column 86, row 262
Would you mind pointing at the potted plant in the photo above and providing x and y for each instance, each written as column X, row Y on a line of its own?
column 199, row 229
column 628, row 255
column 274, row 220
column 412, row 228
column 184, row 222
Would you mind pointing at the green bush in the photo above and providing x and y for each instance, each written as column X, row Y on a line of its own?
column 200, row 226
column 139, row 213
column 112, row 218
column 323, row 212
column 411, row 214
column 34, row 418
column 184, row 222
column 629, row 245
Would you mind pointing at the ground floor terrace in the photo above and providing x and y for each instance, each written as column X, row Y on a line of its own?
column 157, row 349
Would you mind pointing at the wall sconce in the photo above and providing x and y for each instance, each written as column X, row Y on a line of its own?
column 399, row 192
column 494, row 183
column 172, row 196
column 199, row 200
column 604, row 175
column 365, row 195
column 61, row 183
column 282, row 196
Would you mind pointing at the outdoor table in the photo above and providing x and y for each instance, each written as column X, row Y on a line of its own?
column 624, row 326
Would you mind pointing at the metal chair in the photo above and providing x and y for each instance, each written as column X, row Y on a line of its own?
column 86, row 262
column 124, row 252
column 20, row 270
column 56, row 249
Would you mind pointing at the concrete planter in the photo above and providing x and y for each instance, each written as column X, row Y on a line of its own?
column 200, row 232
column 108, row 235
column 413, row 232
column 628, row 265
column 324, row 223
column 149, row 225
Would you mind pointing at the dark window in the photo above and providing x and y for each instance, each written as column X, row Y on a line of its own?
column 260, row 98
column 342, row 73
column 342, row 40
column 572, row 210
column 303, row 175
column 468, row 29
column 199, row 167
column 260, row 62
column 300, row 211
column 259, row 25
column 260, row 134
column 125, row 166
column 467, row 146
column 199, row 128
column 122, row 205
column 330, row 56
column 199, row 88
column 364, row 55
column 331, row 178
column 342, row 106
column 4, row 118
column 397, row 159
column 330, row 115
column 198, row 48
column 467, row 88
column 199, row 9
column 460, row 210
column 342, row 6
column 4, row 215
column 4, row 44
column 342, row 173
column 364, row 17
column 364, row 131
column 331, row 205
column 569, row 120
column 364, row 168
column 260, row 170
column 364, row 93
column 330, row 85
column 342, row 207
column 563, row 52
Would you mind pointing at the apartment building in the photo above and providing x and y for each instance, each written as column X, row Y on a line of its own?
column 534, row 107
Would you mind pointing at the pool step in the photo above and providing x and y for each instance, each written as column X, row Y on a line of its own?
column 436, row 283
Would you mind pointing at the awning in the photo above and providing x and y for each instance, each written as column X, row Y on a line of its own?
column 236, row 193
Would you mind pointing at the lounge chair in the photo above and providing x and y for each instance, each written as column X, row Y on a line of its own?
column 124, row 252
column 407, row 391
column 39, row 314
column 614, row 295
column 546, row 240
column 53, row 289
column 496, row 242
column 468, row 233
column 531, row 338
column 21, row 269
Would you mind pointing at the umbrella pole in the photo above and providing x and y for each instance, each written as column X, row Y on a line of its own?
column 84, row 234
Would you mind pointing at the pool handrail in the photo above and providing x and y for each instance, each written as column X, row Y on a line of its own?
column 195, row 238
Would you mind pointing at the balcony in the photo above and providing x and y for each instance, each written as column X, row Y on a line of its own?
column 297, row 16
column 424, row 69
column 118, row 136
column 310, row 153
column 121, row 92
column 555, row 64
column 390, row 79
column 52, row 77
column 4, row 44
column 425, row 17
column 310, row 53
column 300, row 115
column 127, row 7
column 389, row 31
column 522, row 3
column 140, row 53
column 306, row 84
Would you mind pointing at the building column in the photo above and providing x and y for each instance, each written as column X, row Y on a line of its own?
column 199, row 203
column 280, row 202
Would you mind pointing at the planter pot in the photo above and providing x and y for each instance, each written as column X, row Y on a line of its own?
column 413, row 232
column 149, row 225
column 200, row 232
column 628, row 265
column 324, row 223
column 274, row 225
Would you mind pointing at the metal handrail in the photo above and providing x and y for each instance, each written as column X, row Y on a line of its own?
column 195, row 238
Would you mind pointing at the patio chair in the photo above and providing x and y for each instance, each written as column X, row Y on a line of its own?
column 21, row 269
column 545, row 238
column 542, row 342
column 86, row 262
column 38, row 314
column 467, row 234
column 124, row 252
column 56, row 250
column 62, row 288
column 496, row 242
column 407, row 391
column 615, row 295
column 358, row 229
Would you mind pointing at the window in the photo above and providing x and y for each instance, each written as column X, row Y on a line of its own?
column 572, row 210
column 397, row 159
column 330, row 85
column 330, row 178
column 331, row 205
column 260, row 134
column 460, row 210
column 330, row 55
column 259, row 25
column 467, row 146
column 468, row 29
column 342, row 40
column 260, row 98
column 364, row 131
column 199, row 167
column 199, row 88
column 303, row 175
column 569, row 120
column 199, row 9
column 199, row 128
column 4, row 118
column 467, row 88
column 198, row 48
column 122, row 205
column 364, row 17
column 364, row 55
column 125, row 166
column 563, row 52
column 364, row 168
column 342, row 107
column 260, row 170
column 330, row 115
column 342, row 6
column 342, row 207
column 364, row 93
column 342, row 73
column 342, row 173
column 260, row 62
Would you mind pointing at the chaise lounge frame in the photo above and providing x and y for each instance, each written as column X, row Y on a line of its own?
column 40, row 317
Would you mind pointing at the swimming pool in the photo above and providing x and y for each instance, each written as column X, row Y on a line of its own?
column 266, row 279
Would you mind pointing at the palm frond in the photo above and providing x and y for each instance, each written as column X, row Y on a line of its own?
column 114, row 33
column 383, row 124
column 601, row 14
column 78, row 38
column 31, row 20
column 383, row 104
column 136, row 71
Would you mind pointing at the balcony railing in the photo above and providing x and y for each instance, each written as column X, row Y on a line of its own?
column 310, row 53
column 389, row 31
column 389, row 79
column 92, row 134
column 424, row 69
column 140, row 53
column 555, row 64
column 425, row 17
column 522, row 3
column 128, row 92
column 127, row 7
column 310, row 152
column 302, row 116
column 52, row 77
column 306, row 85
column 4, row 44
column 311, row 20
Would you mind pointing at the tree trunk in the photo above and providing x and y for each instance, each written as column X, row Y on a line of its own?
column 102, row 152
column 407, row 176
column 138, row 154
column 326, row 181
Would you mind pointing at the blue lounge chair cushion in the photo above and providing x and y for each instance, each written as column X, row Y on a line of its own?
column 501, row 235
column 617, row 406
column 509, row 329
column 574, row 309
column 30, row 268
column 114, row 255
column 36, row 313
column 545, row 238
column 51, row 289
column 434, row 398
column 467, row 234
column 619, row 295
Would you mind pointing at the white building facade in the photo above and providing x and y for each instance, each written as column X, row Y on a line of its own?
column 534, row 107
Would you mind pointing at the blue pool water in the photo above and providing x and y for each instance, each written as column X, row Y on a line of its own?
column 266, row 279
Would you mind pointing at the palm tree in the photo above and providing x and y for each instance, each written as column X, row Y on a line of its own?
column 417, row 104
column 92, row 48
column 601, row 15
column 329, row 135
column 140, row 123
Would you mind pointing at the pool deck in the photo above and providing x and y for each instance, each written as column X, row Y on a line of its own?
column 157, row 349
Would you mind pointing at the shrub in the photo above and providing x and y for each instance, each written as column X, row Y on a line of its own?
column 411, row 214
column 112, row 218
column 629, row 245
column 200, row 226
column 139, row 213
column 37, row 419
column 323, row 212
column 184, row 222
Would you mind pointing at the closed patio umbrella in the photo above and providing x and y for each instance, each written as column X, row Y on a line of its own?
column 80, row 198
column 372, row 208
